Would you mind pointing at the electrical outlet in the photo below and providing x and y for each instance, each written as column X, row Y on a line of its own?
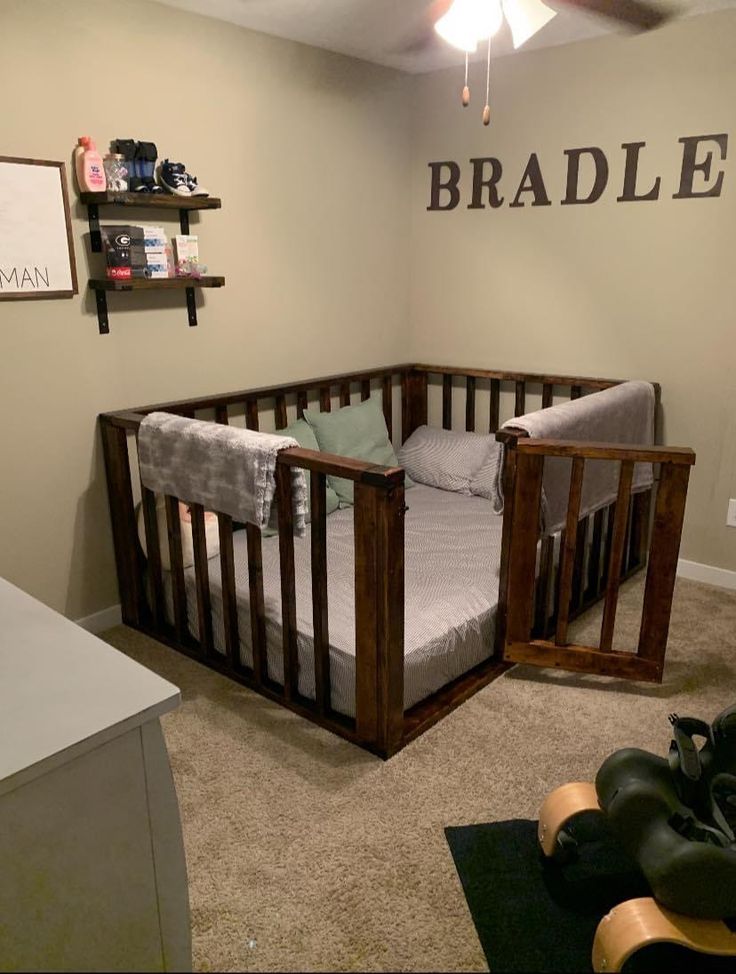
column 731, row 516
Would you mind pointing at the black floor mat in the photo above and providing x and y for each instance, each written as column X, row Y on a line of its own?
column 536, row 916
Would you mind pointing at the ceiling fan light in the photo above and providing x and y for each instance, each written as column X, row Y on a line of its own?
column 454, row 33
column 525, row 18
column 469, row 21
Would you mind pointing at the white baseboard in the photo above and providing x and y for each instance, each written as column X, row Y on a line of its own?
column 722, row 577
column 100, row 621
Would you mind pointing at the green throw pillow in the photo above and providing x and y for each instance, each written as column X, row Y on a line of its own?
column 304, row 435
column 354, row 431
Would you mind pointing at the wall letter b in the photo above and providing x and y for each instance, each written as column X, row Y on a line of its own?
column 450, row 185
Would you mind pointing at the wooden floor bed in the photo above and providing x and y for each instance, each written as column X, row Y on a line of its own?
column 542, row 584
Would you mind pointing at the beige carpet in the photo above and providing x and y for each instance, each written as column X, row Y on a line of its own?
column 305, row 853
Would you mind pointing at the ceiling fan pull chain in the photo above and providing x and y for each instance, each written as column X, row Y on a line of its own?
column 466, row 89
column 487, row 109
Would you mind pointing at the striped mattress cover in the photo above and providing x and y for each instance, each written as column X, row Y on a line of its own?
column 453, row 554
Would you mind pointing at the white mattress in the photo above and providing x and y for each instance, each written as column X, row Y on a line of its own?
column 453, row 546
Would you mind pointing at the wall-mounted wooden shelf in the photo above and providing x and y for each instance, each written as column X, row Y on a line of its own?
column 166, row 201
column 159, row 201
column 154, row 283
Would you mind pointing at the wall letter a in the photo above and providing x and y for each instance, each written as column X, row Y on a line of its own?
column 532, row 182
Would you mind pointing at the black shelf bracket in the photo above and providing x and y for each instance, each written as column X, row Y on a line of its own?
column 95, row 236
column 102, row 321
column 192, row 307
column 184, row 221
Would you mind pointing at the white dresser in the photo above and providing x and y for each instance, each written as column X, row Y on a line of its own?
column 92, row 869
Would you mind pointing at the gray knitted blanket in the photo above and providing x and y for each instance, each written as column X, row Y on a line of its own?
column 622, row 414
column 224, row 468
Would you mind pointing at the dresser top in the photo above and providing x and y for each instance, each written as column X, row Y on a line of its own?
column 63, row 691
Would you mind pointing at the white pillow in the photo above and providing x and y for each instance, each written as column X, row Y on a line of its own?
column 211, row 530
column 487, row 481
column 447, row 459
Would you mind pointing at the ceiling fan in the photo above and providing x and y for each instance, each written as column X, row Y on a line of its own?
column 465, row 23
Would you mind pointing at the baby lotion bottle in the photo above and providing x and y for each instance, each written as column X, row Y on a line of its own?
column 90, row 170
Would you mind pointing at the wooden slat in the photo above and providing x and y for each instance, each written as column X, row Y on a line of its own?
column 523, row 547
column 578, row 586
column 325, row 402
column 608, row 532
column 669, row 512
column 387, row 396
column 447, row 402
column 280, row 413
column 229, row 599
column 288, row 580
column 520, row 399
column 470, row 404
column 495, row 405
column 176, row 559
column 257, row 605
column 639, row 543
column 365, row 390
column 616, row 554
column 318, row 507
column 221, row 415
column 201, row 575
column 302, row 403
column 547, row 395
column 569, row 543
column 344, row 393
column 545, row 582
column 153, row 555
column 594, row 557
column 251, row 414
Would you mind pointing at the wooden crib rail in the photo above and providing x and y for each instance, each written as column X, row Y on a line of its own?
column 379, row 585
column 522, row 588
column 530, row 390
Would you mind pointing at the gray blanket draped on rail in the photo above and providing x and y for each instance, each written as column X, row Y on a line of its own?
column 622, row 414
column 223, row 468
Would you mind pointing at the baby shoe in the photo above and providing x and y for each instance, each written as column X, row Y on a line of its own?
column 194, row 188
column 174, row 179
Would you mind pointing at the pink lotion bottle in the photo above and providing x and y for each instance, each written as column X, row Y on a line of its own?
column 88, row 164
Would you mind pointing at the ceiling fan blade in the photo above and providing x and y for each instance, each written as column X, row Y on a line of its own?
column 636, row 14
column 424, row 36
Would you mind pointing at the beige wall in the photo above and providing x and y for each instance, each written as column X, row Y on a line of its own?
column 309, row 152
column 641, row 290
column 332, row 263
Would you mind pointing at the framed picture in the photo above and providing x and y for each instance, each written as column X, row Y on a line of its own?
column 36, row 248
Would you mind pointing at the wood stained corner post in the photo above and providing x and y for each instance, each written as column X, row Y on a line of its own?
column 510, row 439
column 122, row 516
column 379, row 610
column 414, row 386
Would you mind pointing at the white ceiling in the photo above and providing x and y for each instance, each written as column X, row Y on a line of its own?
column 382, row 30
